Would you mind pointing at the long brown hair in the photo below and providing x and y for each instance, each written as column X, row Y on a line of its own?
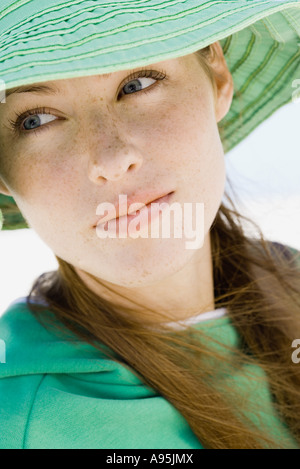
column 257, row 284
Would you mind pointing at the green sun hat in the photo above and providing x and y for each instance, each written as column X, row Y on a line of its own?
column 42, row 40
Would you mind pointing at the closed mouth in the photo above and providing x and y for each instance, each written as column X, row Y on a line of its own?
column 132, row 207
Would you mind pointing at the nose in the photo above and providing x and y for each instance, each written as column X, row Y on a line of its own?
column 113, row 162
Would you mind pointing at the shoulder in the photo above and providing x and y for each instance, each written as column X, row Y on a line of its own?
column 30, row 354
column 17, row 388
column 28, row 344
column 33, row 347
column 17, row 395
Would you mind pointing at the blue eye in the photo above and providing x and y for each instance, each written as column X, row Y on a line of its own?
column 132, row 86
column 134, row 83
column 29, row 121
column 34, row 119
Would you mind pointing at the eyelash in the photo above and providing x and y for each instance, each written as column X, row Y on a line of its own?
column 15, row 125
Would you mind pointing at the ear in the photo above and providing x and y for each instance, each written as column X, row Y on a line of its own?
column 224, row 86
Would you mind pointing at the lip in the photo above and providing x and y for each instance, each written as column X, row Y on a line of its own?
column 122, row 226
column 143, row 198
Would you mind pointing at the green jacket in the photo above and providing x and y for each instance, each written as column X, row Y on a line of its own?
column 64, row 394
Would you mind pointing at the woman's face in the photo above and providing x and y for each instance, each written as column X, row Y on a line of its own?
column 101, row 136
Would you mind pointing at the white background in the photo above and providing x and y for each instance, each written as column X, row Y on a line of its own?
column 265, row 171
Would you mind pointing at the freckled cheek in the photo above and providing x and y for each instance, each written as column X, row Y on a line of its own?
column 46, row 198
column 188, row 118
column 191, row 140
column 185, row 128
column 41, row 177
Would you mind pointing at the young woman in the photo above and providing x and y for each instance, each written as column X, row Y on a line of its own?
column 141, row 341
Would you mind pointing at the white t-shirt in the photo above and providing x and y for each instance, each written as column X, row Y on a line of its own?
column 177, row 325
column 216, row 313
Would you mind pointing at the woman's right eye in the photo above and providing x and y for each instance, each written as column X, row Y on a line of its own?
column 34, row 119
column 26, row 121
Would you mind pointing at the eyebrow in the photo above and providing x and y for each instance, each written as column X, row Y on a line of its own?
column 33, row 89
column 47, row 89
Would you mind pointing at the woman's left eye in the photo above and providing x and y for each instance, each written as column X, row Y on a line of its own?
column 133, row 83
